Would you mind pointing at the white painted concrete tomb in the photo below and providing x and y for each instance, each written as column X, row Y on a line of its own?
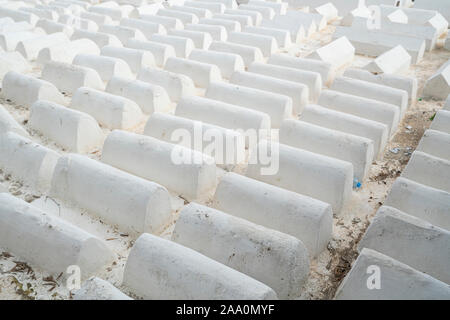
column 143, row 206
column 68, row 77
column 153, row 159
column 135, row 58
column 200, row 72
column 111, row 111
column 74, row 130
column 202, row 40
column 277, row 106
column 441, row 121
column 53, row 244
column 339, row 53
column 100, row 38
column 227, row 63
column 217, row 32
column 298, row 92
column 410, row 240
column 176, row 85
column 305, row 218
column 421, row 201
column 161, row 52
column 324, row 68
column 348, row 123
column 161, row 269
column 370, row 109
column 321, row 177
column 66, row 52
column 406, row 83
column 150, row 98
column 372, row 91
column 435, row 143
column 357, row 150
column 165, row 126
column 248, row 53
column 310, row 78
column 98, row 289
column 282, row 260
column 27, row 161
column 107, row 67
column 429, row 170
column 222, row 114
column 9, row 124
column 395, row 60
column 401, row 281
column 25, row 90
column 438, row 85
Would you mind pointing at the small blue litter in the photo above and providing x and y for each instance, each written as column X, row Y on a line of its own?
column 356, row 184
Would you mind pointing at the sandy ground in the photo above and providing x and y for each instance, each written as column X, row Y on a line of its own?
column 18, row 280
